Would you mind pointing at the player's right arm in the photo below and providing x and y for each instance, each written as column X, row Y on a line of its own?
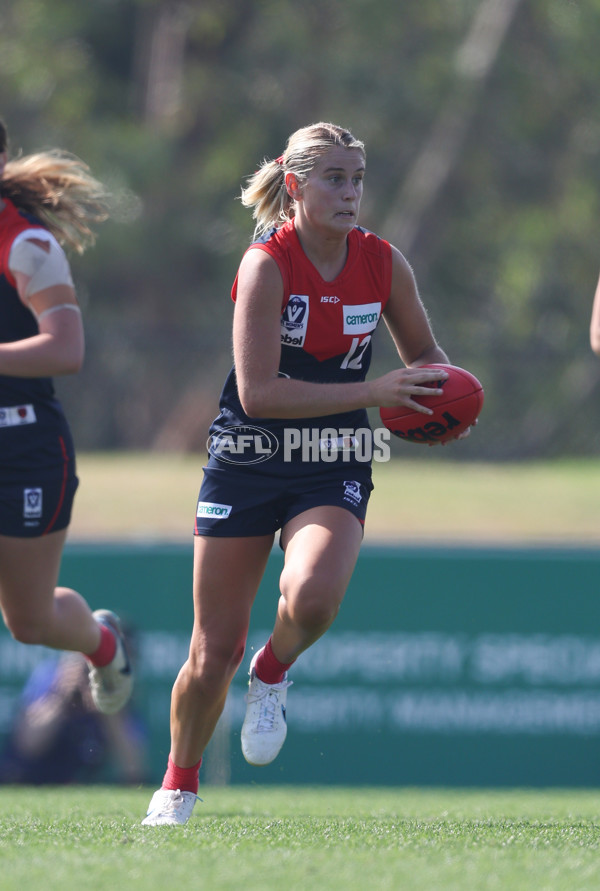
column 595, row 322
column 257, row 353
column 44, row 284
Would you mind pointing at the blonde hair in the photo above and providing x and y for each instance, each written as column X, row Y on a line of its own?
column 58, row 189
column 266, row 191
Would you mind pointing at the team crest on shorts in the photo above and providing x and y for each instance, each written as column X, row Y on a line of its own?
column 352, row 492
column 32, row 504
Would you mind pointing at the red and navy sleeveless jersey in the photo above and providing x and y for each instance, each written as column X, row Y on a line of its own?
column 326, row 332
column 34, row 434
column 16, row 321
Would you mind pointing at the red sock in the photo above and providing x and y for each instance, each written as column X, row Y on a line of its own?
column 106, row 650
column 268, row 668
column 183, row 778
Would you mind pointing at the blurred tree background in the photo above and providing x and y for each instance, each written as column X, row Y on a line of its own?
column 482, row 126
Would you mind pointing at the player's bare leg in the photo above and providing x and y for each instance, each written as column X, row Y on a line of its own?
column 321, row 548
column 227, row 573
column 34, row 609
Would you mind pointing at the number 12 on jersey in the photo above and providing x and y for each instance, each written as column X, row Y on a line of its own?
column 355, row 354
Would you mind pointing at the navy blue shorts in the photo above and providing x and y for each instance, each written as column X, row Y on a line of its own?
column 239, row 504
column 38, row 477
column 37, row 505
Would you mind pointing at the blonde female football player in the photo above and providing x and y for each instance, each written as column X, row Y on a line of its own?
column 309, row 294
column 46, row 200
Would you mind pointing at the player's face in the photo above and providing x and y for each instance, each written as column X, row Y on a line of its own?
column 330, row 197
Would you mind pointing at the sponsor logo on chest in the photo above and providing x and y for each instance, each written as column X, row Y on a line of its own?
column 294, row 320
column 361, row 319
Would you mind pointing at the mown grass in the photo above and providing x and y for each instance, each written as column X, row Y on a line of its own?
column 303, row 838
column 151, row 495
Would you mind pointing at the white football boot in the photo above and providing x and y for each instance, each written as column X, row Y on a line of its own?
column 112, row 684
column 264, row 728
column 170, row 807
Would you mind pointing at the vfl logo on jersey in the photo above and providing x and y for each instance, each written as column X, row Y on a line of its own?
column 32, row 504
column 361, row 319
column 294, row 321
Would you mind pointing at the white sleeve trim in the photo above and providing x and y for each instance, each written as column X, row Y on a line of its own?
column 39, row 234
column 43, row 268
column 51, row 309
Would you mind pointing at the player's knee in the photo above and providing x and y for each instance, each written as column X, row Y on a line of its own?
column 213, row 665
column 310, row 600
column 310, row 608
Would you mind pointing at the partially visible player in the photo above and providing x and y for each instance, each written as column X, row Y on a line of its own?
column 46, row 200
column 309, row 294
column 595, row 322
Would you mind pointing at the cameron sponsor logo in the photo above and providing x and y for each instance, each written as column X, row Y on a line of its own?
column 361, row 319
column 242, row 444
column 210, row 509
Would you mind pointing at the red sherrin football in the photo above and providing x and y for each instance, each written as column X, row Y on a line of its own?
column 453, row 411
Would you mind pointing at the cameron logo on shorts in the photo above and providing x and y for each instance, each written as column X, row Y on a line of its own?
column 294, row 320
column 214, row 511
column 242, row 444
column 361, row 319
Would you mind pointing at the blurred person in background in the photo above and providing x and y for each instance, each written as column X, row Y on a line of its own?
column 47, row 200
column 309, row 294
column 58, row 735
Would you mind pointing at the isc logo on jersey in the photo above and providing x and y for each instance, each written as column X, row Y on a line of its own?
column 361, row 319
column 294, row 321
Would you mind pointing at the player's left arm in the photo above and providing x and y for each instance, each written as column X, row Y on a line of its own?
column 595, row 322
column 44, row 284
column 407, row 320
column 408, row 323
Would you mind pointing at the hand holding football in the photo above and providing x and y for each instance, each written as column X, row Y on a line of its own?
column 456, row 409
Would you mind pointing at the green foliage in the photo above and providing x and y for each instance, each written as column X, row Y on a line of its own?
column 173, row 104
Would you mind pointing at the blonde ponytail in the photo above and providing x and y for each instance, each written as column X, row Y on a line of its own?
column 266, row 190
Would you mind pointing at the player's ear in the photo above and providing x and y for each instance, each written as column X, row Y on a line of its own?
column 292, row 185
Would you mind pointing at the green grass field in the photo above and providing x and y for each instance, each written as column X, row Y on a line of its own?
column 327, row 839
column 302, row 839
column 151, row 495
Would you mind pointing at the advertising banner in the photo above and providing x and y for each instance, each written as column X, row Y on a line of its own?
column 446, row 666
